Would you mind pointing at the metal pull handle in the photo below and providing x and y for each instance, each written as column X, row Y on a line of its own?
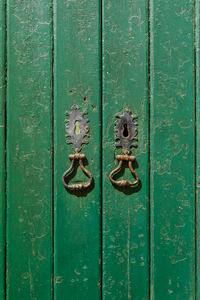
column 80, row 186
column 124, row 183
column 126, row 136
column 77, row 129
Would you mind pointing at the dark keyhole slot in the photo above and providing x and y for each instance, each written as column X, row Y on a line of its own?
column 77, row 128
column 125, row 131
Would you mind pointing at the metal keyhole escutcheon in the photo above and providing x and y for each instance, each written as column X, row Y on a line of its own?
column 77, row 129
column 126, row 136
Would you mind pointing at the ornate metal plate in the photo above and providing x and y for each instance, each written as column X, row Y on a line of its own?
column 77, row 128
column 126, row 131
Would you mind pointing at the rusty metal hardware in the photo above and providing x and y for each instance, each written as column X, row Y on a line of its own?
column 124, row 183
column 80, row 186
column 125, row 135
column 77, row 129
column 126, row 131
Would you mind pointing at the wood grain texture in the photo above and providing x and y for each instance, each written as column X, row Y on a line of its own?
column 125, row 213
column 35, row 131
column 172, row 150
column 77, row 216
column 29, row 150
column 2, row 147
column 197, row 47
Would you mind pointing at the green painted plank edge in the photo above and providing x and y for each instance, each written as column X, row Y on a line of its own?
column 77, row 80
column 172, row 150
column 2, row 147
column 197, row 45
column 29, row 195
column 125, row 213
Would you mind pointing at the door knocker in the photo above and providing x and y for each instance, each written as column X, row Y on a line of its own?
column 125, row 136
column 77, row 129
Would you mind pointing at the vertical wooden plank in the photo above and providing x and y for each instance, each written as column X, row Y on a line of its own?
column 125, row 213
column 29, row 150
column 2, row 147
column 77, row 81
column 172, row 150
column 197, row 40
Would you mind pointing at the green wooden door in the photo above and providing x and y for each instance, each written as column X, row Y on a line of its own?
column 105, row 242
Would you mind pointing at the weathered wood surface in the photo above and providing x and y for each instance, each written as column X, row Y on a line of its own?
column 77, row 216
column 125, row 213
column 29, row 150
column 197, row 73
column 172, row 140
column 150, row 64
column 2, row 147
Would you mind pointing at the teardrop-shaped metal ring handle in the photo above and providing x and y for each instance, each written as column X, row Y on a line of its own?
column 124, row 183
column 79, row 186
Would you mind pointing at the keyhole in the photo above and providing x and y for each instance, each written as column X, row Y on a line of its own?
column 77, row 127
column 125, row 130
